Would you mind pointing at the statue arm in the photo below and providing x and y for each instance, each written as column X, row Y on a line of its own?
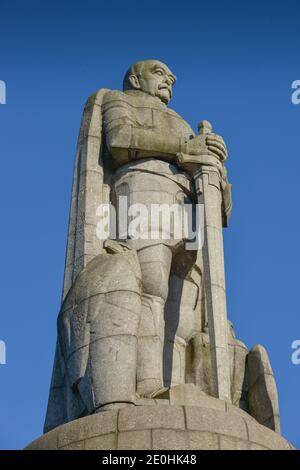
column 127, row 141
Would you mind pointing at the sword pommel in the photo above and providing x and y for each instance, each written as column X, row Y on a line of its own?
column 204, row 127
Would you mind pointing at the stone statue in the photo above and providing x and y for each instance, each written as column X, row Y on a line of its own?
column 144, row 319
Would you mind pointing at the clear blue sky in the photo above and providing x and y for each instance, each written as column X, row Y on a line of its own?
column 235, row 62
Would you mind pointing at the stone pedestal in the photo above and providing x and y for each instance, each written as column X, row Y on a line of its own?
column 212, row 424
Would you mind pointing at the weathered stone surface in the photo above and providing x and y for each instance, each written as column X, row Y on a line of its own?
column 203, row 440
column 50, row 441
column 85, row 428
column 74, row 446
column 170, row 439
column 263, row 397
column 233, row 443
column 235, row 410
column 134, row 440
column 101, row 442
column 149, row 418
column 263, row 436
column 191, row 395
column 163, row 427
column 257, row 447
column 215, row 421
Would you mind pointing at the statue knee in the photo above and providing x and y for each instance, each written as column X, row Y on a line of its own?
column 155, row 281
column 155, row 262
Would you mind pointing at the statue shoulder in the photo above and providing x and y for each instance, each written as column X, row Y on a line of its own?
column 104, row 97
column 97, row 97
column 116, row 95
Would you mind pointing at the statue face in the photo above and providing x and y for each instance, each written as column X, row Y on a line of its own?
column 155, row 78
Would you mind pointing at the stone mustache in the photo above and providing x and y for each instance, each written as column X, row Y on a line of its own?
column 144, row 320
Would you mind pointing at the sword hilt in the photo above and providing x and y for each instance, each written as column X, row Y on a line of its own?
column 204, row 127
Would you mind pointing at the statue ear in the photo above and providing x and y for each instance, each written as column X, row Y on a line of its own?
column 134, row 81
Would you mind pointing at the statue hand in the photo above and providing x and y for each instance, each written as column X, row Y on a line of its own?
column 216, row 146
column 206, row 148
column 208, row 144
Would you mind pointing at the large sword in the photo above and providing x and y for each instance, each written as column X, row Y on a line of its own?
column 208, row 172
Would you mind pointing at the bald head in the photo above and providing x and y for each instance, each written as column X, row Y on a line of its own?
column 152, row 77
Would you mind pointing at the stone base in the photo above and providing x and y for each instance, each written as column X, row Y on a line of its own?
column 212, row 424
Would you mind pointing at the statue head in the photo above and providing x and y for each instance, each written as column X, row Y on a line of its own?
column 152, row 77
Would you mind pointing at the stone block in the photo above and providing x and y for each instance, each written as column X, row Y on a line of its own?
column 191, row 395
column 84, row 428
column 74, row 446
column 203, row 440
column 170, row 439
column 233, row 443
column 134, row 440
column 51, row 440
column 257, row 447
column 263, row 436
column 104, row 442
column 147, row 417
column 161, row 428
column 215, row 421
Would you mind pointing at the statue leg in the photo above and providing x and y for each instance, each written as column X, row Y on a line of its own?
column 113, row 349
column 182, row 314
column 155, row 262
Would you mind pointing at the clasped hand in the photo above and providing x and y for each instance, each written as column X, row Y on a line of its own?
column 211, row 144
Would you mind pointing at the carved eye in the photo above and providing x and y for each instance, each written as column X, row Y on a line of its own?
column 159, row 72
